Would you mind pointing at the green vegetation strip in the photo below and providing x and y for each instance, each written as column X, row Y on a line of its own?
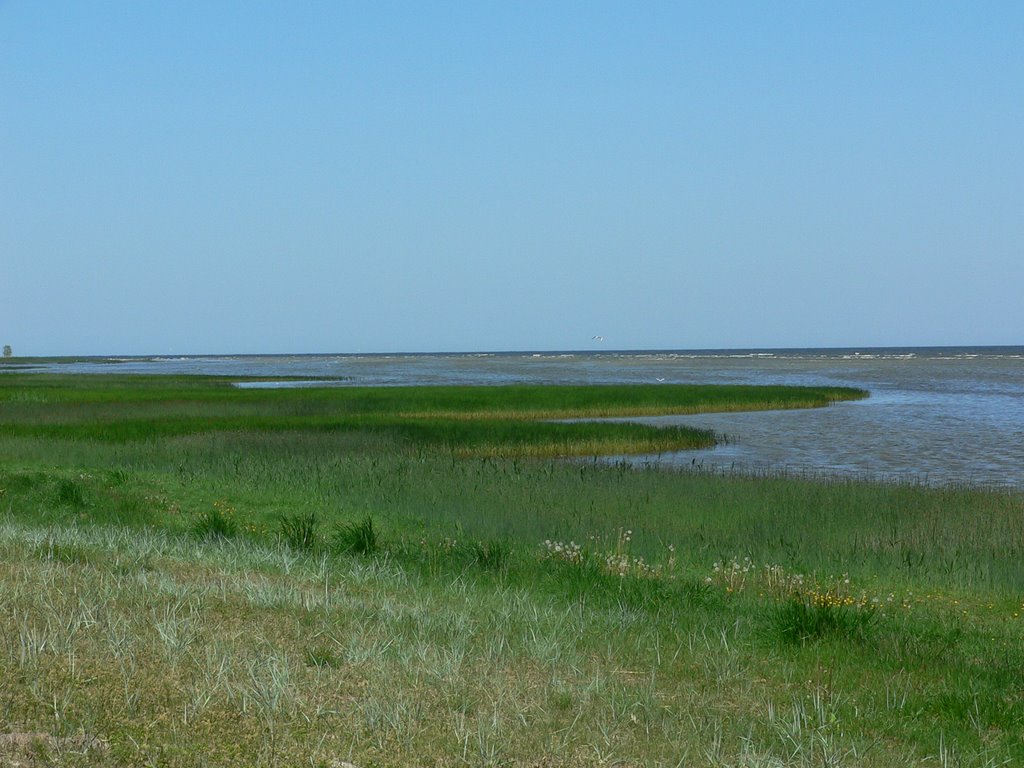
column 472, row 420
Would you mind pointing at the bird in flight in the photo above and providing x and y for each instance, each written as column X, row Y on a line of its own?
column 598, row 338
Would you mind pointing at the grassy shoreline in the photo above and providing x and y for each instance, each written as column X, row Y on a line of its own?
column 515, row 419
column 288, row 588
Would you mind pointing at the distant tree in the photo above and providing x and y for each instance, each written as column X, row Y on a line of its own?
column 7, row 350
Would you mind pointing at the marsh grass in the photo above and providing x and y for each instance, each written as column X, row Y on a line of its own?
column 681, row 622
column 506, row 420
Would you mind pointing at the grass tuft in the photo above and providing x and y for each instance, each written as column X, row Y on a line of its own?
column 491, row 555
column 299, row 532
column 62, row 552
column 356, row 538
column 216, row 523
column 810, row 616
column 70, row 494
column 322, row 658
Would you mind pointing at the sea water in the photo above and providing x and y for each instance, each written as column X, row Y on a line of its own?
column 936, row 415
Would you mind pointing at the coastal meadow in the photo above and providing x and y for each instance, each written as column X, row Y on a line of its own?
column 194, row 574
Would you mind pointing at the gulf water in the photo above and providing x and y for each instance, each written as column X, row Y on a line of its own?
column 936, row 415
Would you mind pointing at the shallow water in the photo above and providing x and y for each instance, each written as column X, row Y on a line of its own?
column 935, row 415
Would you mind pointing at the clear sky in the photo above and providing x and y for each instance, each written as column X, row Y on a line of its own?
column 214, row 177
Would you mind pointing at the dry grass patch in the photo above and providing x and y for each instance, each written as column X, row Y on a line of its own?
column 37, row 749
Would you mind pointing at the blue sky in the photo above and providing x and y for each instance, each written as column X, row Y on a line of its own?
column 343, row 177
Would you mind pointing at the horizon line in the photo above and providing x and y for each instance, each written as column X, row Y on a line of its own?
column 536, row 351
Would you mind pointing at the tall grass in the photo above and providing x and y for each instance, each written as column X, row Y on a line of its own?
column 900, row 533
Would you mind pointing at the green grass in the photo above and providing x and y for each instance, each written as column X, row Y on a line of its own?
column 218, row 522
column 192, row 574
column 300, row 532
column 474, row 420
column 357, row 537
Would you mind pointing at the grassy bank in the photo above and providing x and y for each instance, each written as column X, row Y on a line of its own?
column 508, row 420
column 291, row 578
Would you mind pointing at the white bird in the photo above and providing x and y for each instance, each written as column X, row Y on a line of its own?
column 598, row 338
column 659, row 380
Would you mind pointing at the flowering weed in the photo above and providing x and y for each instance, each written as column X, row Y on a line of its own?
column 812, row 615
column 217, row 523
column 617, row 559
